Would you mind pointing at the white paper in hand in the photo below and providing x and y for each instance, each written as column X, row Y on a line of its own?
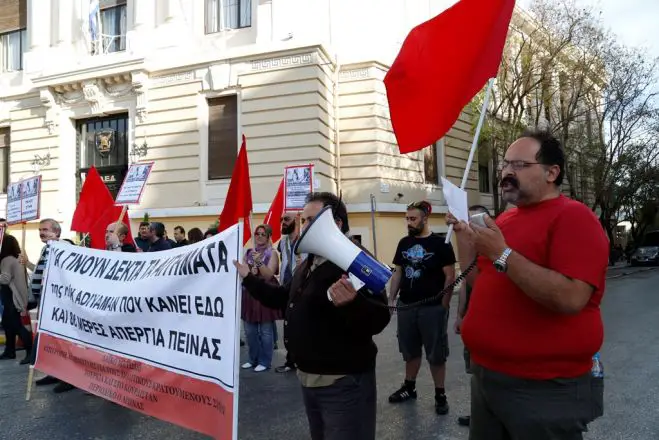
column 456, row 199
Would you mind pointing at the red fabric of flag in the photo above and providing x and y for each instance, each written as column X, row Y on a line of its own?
column 110, row 215
column 441, row 66
column 238, row 203
column 95, row 198
column 273, row 217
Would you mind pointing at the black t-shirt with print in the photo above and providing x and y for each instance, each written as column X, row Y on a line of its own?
column 423, row 261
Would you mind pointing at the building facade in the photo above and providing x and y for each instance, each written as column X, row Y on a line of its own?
column 179, row 82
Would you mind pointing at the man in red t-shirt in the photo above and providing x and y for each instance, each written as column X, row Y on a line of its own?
column 534, row 320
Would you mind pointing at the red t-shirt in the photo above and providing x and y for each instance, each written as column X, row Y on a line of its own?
column 508, row 332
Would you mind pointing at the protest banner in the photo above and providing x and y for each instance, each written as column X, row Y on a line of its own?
column 30, row 198
column 14, row 203
column 155, row 332
column 133, row 185
column 298, row 183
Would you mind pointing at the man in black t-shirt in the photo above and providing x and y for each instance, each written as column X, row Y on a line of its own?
column 425, row 266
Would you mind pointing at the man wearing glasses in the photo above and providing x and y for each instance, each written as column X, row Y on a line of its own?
column 534, row 321
column 425, row 265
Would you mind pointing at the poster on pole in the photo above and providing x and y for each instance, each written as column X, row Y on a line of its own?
column 133, row 185
column 14, row 203
column 150, row 331
column 30, row 198
column 298, row 183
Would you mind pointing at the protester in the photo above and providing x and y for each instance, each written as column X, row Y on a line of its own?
column 259, row 320
column 463, row 305
column 49, row 230
column 210, row 232
column 14, row 295
column 534, row 321
column 195, row 236
column 425, row 265
column 329, row 331
column 290, row 232
column 179, row 236
column 143, row 239
column 159, row 241
column 115, row 238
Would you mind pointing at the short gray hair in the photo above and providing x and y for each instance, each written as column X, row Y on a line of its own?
column 54, row 225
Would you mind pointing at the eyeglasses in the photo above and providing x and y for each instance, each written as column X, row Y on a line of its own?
column 517, row 165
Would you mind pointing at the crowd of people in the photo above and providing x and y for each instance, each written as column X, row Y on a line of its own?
column 528, row 313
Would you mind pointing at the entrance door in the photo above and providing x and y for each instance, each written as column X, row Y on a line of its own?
column 103, row 143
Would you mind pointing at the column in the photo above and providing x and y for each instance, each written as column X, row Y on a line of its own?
column 172, row 11
column 38, row 27
column 65, row 22
column 144, row 12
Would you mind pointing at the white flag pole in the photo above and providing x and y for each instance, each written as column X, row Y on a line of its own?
column 474, row 144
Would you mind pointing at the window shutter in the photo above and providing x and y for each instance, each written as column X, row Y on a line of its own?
column 222, row 136
column 13, row 15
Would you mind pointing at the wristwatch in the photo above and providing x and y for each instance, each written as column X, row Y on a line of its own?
column 501, row 263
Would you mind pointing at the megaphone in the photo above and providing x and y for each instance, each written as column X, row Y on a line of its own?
column 324, row 238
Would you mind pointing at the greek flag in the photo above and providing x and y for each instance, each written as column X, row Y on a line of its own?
column 94, row 10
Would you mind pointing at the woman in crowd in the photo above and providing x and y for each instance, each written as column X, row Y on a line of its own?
column 195, row 236
column 259, row 320
column 14, row 293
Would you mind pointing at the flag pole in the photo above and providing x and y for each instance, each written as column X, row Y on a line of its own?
column 474, row 144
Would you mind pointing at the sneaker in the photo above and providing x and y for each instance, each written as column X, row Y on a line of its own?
column 402, row 395
column 464, row 420
column 441, row 405
column 247, row 366
column 260, row 368
column 47, row 380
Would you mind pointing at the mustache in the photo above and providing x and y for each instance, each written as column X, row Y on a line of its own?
column 511, row 180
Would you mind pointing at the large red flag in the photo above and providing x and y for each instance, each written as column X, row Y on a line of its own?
column 442, row 65
column 95, row 198
column 238, row 203
column 110, row 215
column 273, row 217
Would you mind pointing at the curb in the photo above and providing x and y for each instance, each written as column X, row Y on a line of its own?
column 624, row 274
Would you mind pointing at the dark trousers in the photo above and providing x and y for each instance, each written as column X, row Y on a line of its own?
column 344, row 410
column 509, row 408
column 11, row 321
column 289, row 360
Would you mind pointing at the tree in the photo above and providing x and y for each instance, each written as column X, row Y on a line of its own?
column 548, row 69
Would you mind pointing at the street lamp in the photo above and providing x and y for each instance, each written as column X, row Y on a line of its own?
column 138, row 151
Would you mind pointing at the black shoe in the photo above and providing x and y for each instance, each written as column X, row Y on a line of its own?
column 441, row 405
column 286, row 368
column 26, row 361
column 48, row 380
column 402, row 395
column 6, row 356
column 464, row 420
column 63, row 387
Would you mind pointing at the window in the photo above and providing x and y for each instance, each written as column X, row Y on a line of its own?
column 103, row 143
column 227, row 14
column 13, row 45
column 111, row 27
column 433, row 162
column 484, row 177
column 222, row 136
column 4, row 158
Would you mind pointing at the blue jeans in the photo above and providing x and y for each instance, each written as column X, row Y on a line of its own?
column 260, row 342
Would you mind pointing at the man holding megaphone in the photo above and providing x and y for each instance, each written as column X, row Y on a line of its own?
column 329, row 324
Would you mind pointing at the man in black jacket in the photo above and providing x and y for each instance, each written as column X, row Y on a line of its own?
column 329, row 330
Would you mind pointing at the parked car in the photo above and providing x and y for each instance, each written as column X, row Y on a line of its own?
column 648, row 251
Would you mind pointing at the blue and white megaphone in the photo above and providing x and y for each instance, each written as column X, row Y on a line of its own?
column 324, row 238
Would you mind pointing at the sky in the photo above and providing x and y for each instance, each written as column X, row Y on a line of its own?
column 634, row 21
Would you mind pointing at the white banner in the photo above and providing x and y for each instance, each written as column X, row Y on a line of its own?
column 14, row 203
column 298, row 184
column 176, row 309
column 30, row 198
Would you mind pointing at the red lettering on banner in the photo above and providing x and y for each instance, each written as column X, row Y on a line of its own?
column 186, row 401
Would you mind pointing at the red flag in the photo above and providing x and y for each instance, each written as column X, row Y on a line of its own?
column 110, row 215
column 95, row 198
column 273, row 217
column 442, row 65
column 238, row 203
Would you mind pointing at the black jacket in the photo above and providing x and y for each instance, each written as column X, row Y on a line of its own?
column 321, row 337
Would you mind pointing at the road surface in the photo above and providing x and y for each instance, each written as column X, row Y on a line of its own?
column 271, row 407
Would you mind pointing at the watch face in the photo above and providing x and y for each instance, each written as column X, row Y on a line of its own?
column 500, row 267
